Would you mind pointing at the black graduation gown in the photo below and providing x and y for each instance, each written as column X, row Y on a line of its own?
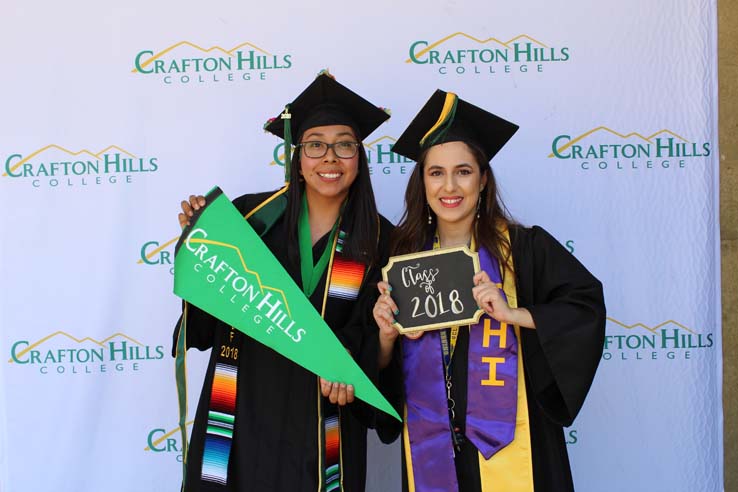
column 560, row 358
column 275, row 441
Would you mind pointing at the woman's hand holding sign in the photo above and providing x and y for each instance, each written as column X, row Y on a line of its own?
column 384, row 314
column 488, row 296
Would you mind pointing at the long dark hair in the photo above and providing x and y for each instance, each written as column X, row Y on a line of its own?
column 413, row 232
column 360, row 217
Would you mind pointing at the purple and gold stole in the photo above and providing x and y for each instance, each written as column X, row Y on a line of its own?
column 497, row 412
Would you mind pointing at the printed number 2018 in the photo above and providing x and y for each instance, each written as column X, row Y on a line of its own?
column 229, row 352
column 434, row 305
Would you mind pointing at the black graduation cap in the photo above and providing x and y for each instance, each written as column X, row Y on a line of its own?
column 325, row 102
column 446, row 118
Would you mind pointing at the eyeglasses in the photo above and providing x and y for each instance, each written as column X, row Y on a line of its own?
column 316, row 149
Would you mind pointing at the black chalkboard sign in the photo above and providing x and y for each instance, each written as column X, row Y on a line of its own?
column 433, row 289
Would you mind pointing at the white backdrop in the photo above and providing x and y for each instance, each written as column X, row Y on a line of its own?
column 112, row 113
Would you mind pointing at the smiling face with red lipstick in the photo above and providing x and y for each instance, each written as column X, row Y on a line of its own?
column 453, row 181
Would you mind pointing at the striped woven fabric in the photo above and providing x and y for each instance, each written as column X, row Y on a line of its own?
column 220, row 424
column 346, row 275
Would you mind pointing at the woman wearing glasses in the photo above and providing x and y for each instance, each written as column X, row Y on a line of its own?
column 292, row 432
column 485, row 404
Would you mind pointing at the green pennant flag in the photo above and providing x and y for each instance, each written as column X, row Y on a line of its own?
column 222, row 266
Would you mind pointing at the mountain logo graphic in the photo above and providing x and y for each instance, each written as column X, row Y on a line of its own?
column 54, row 165
column 56, row 160
column 68, row 353
column 602, row 147
column 162, row 441
column 156, row 253
column 144, row 65
column 187, row 62
column 640, row 341
column 462, row 48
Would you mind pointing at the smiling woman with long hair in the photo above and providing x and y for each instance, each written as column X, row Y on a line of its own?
column 285, row 430
column 485, row 404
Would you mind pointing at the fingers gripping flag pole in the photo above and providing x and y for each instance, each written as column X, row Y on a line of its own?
column 222, row 266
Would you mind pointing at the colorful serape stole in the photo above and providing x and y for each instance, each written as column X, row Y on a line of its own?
column 346, row 277
column 222, row 413
column 332, row 447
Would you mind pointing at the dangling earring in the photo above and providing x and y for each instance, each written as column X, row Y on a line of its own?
column 430, row 219
column 479, row 204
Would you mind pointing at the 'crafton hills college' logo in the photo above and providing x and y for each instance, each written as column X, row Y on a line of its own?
column 669, row 340
column 62, row 353
column 381, row 159
column 604, row 149
column 158, row 255
column 461, row 54
column 54, row 166
column 166, row 442
column 187, row 63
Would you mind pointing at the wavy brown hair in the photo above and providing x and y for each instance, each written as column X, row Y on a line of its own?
column 413, row 232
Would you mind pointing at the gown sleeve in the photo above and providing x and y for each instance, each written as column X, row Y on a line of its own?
column 391, row 385
column 200, row 328
column 388, row 380
column 567, row 304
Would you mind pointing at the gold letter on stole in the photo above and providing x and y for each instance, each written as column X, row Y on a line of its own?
column 501, row 333
column 489, row 332
column 493, row 361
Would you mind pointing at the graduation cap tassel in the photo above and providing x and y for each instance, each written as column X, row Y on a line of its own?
column 445, row 119
column 287, row 117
